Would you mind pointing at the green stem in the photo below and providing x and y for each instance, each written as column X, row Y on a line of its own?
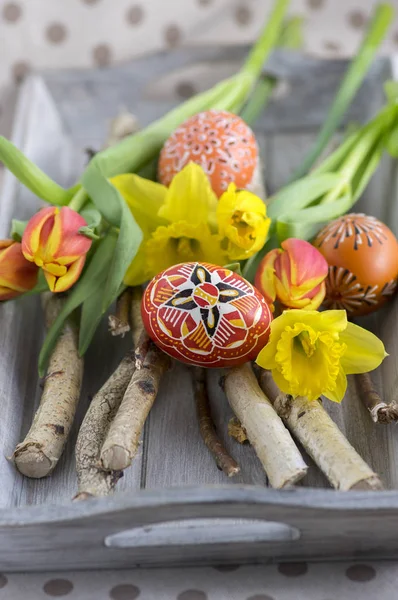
column 258, row 100
column 79, row 200
column 353, row 78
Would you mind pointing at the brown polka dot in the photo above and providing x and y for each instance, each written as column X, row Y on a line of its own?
column 102, row 55
column 226, row 568
column 260, row 597
column 315, row 4
column 205, row 2
column 360, row 573
column 332, row 46
column 135, row 14
column 58, row 587
column 20, row 70
column 357, row 19
column 243, row 15
column 89, row 2
column 192, row 595
column 293, row 569
column 3, row 580
column 11, row 12
column 172, row 35
column 124, row 591
column 56, row 33
column 185, row 89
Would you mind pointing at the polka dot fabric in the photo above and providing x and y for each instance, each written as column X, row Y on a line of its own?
column 287, row 581
column 41, row 34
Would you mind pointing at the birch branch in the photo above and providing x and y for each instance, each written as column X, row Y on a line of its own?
column 119, row 323
column 380, row 411
column 206, row 425
column 266, row 432
column 322, row 439
column 124, row 434
column 42, row 447
column 92, row 479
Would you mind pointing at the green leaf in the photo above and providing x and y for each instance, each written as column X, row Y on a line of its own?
column 301, row 193
column 82, row 290
column 377, row 29
column 391, row 91
column 235, row 267
column 305, row 223
column 107, row 198
column 88, row 232
column 17, row 229
column 392, row 142
column 90, row 318
column 91, row 215
column 30, row 175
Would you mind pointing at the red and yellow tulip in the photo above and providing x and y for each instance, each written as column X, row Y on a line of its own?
column 17, row 275
column 294, row 274
column 52, row 241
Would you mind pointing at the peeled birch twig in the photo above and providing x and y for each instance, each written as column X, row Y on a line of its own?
column 380, row 411
column 266, row 432
column 206, row 425
column 137, row 326
column 92, row 479
column 141, row 349
column 123, row 437
column 42, row 447
column 119, row 323
column 322, row 439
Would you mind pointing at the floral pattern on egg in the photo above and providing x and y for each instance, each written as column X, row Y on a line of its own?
column 206, row 315
column 220, row 142
column 362, row 254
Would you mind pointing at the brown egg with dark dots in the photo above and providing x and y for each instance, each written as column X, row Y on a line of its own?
column 362, row 254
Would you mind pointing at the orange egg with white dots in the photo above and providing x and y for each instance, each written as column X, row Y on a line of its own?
column 362, row 254
column 220, row 142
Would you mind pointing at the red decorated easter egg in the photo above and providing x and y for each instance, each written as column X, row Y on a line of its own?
column 220, row 142
column 205, row 315
column 362, row 254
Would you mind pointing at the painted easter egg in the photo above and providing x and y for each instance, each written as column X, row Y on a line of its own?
column 362, row 254
column 205, row 315
column 220, row 142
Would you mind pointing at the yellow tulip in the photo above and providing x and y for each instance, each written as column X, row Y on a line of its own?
column 186, row 222
column 242, row 220
column 310, row 353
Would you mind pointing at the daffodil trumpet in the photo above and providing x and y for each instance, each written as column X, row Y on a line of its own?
column 319, row 435
column 38, row 454
column 265, row 430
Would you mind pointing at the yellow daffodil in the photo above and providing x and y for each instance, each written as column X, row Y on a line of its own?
column 242, row 220
column 310, row 353
column 186, row 222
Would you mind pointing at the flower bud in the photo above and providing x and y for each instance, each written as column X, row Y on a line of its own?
column 17, row 275
column 52, row 241
column 294, row 275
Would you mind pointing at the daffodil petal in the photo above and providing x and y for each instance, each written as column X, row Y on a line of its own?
column 143, row 197
column 190, row 197
column 364, row 352
column 338, row 393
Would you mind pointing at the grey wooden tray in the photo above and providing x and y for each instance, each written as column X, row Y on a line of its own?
column 173, row 506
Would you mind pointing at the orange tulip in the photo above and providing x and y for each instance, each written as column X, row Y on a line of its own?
column 17, row 275
column 52, row 241
column 294, row 275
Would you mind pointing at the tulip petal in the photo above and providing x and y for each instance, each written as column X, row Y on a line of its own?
column 190, row 197
column 364, row 352
column 65, row 244
column 64, row 283
column 307, row 265
column 264, row 279
column 33, row 230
